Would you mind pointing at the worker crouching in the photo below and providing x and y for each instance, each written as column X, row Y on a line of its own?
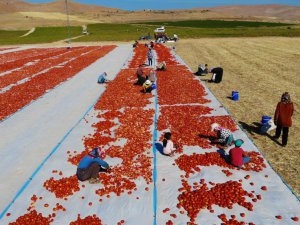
column 90, row 166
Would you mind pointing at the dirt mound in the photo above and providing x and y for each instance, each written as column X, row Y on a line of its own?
column 277, row 11
column 18, row 14
column 10, row 6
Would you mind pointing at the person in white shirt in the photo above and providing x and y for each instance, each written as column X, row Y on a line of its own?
column 162, row 66
column 169, row 147
column 175, row 37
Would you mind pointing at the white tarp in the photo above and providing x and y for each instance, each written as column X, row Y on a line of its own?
column 20, row 158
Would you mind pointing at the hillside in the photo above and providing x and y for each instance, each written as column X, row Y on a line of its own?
column 7, row 6
column 18, row 14
column 284, row 12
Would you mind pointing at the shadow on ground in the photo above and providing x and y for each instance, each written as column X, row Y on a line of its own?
column 159, row 147
column 254, row 129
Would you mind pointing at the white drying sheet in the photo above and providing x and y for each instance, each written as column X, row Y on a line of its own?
column 277, row 200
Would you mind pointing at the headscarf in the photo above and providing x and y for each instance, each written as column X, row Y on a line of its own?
column 239, row 142
column 96, row 152
column 215, row 126
column 285, row 98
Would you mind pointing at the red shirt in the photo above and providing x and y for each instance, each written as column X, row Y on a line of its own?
column 139, row 72
column 236, row 156
column 283, row 114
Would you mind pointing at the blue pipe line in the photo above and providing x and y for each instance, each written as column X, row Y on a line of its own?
column 154, row 138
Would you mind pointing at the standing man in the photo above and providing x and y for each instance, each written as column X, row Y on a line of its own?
column 150, row 57
column 283, row 117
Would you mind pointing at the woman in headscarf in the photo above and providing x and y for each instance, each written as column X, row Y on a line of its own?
column 237, row 155
column 90, row 166
column 283, row 117
column 147, row 86
column 224, row 135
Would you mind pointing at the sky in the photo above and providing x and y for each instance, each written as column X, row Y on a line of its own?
column 174, row 4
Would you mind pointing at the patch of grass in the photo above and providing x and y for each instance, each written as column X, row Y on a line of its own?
column 130, row 32
column 41, row 35
column 116, row 32
column 216, row 24
column 233, row 32
column 7, row 36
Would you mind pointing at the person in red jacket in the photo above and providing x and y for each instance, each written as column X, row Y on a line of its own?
column 237, row 155
column 283, row 117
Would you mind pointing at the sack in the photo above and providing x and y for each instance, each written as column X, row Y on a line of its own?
column 267, row 127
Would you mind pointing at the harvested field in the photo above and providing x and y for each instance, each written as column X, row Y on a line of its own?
column 261, row 69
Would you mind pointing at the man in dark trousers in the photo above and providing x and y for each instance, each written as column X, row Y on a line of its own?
column 217, row 74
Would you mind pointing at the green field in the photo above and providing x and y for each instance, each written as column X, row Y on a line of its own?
column 41, row 35
column 116, row 32
column 216, row 24
column 130, row 32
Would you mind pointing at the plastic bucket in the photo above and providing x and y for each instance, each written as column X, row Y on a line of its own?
column 265, row 119
column 153, row 86
column 235, row 95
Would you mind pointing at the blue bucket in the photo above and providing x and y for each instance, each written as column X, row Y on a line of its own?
column 265, row 119
column 235, row 95
column 153, row 86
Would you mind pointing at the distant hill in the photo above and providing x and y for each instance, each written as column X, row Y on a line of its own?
column 19, row 14
column 284, row 12
column 7, row 6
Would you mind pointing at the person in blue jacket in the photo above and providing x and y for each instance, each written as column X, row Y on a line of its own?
column 90, row 165
column 103, row 78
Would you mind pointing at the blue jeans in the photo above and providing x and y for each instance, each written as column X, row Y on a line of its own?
column 228, row 160
column 246, row 159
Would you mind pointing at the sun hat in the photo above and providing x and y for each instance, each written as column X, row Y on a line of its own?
column 148, row 82
column 214, row 126
column 238, row 142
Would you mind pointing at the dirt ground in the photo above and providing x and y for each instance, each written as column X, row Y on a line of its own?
column 27, row 20
column 260, row 69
